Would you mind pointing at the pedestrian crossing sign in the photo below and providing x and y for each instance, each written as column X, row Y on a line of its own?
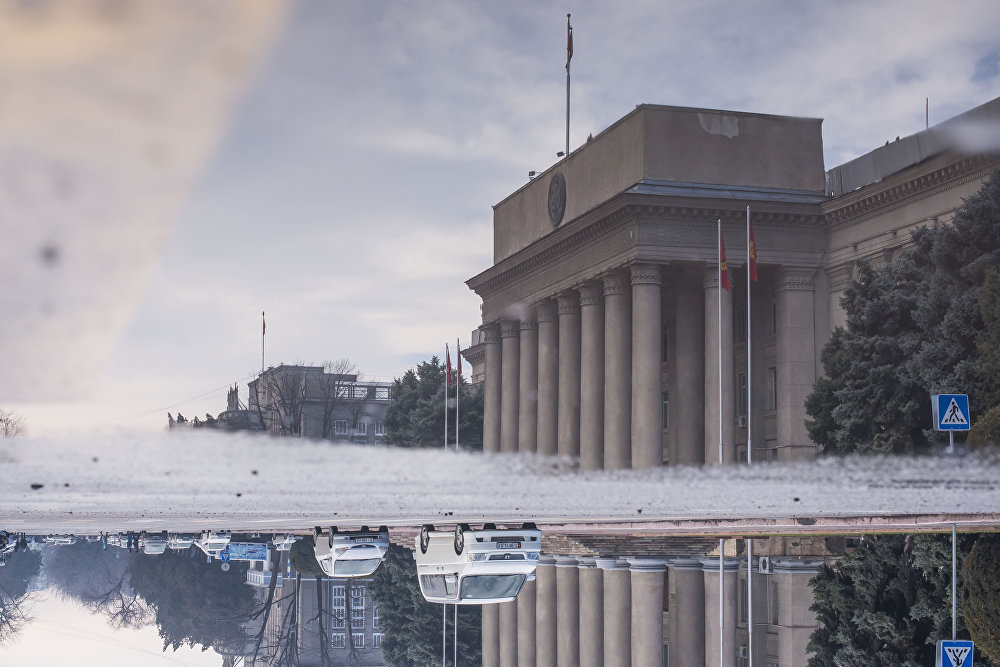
column 954, row 653
column 951, row 412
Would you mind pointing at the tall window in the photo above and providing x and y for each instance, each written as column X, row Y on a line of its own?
column 379, row 429
column 377, row 640
column 340, row 427
column 772, row 388
column 741, row 395
column 665, row 345
column 361, row 428
column 376, row 622
column 338, row 640
column 338, row 606
column 739, row 319
column 357, row 608
column 666, row 409
column 358, row 639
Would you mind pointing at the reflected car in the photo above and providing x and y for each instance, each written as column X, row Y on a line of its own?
column 60, row 540
column 465, row 566
column 154, row 544
column 180, row 541
column 213, row 542
column 350, row 554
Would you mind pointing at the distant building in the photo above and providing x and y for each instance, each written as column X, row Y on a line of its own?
column 309, row 402
column 601, row 330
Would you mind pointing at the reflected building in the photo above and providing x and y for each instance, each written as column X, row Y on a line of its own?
column 601, row 316
column 655, row 601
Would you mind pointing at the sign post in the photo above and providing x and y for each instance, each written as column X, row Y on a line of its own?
column 951, row 413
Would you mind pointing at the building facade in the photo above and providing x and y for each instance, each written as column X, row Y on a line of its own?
column 603, row 318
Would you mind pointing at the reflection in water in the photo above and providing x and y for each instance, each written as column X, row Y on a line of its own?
column 569, row 596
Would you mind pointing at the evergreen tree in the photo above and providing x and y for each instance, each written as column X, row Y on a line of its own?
column 415, row 415
column 914, row 327
column 413, row 625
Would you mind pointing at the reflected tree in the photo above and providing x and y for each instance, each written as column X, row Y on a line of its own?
column 15, row 580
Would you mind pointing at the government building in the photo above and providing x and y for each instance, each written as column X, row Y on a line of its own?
column 601, row 321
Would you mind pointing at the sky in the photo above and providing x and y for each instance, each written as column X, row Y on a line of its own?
column 169, row 172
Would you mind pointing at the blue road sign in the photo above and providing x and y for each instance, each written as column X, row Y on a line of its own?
column 951, row 412
column 954, row 653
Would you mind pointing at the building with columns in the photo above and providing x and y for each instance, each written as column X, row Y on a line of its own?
column 601, row 315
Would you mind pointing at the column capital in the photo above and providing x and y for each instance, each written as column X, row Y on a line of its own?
column 610, row 564
column 591, row 294
column 615, row 282
column 711, row 280
column 566, row 561
column 509, row 328
column 528, row 325
column 791, row 279
column 587, row 563
column 546, row 311
column 491, row 333
column 646, row 274
column 647, row 564
column 569, row 302
column 546, row 559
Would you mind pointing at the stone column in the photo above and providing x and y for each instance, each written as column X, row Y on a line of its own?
column 617, row 371
column 712, row 405
column 647, row 389
column 526, row 625
column 617, row 612
column 647, row 611
column 491, row 390
column 687, row 419
column 687, row 612
column 710, row 570
column 795, row 622
column 510, row 358
column 508, row 633
column 796, row 371
column 568, row 595
column 568, row 436
column 592, row 376
column 545, row 611
column 491, row 635
column 591, row 614
column 548, row 376
column 527, row 409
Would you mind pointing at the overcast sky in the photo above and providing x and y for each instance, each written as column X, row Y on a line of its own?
column 334, row 164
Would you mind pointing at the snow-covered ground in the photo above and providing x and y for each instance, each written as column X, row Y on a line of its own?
column 190, row 480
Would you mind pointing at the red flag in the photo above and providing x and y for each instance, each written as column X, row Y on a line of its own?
column 753, row 255
column 569, row 42
column 458, row 351
column 723, row 266
column 447, row 356
column 263, row 324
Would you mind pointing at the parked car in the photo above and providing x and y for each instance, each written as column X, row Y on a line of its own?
column 60, row 540
column 213, row 542
column 465, row 566
column 180, row 541
column 350, row 554
column 154, row 544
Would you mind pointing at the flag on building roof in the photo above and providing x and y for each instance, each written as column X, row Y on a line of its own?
column 723, row 266
column 569, row 42
column 752, row 252
column 447, row 358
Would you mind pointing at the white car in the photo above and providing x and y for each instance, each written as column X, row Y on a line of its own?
column 284, row 542
column 466, row 566
column 180, row 541
column 60, row 540
column 154, row 544
column 213, row 543
column 353, row 554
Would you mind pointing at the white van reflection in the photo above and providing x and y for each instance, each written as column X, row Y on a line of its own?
column 350, row 554
column 468, row 566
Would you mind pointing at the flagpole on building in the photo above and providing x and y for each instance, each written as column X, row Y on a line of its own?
column 722, row 542
column 458, row 391
column 749, row 449
column 263, row 330
column 569, row 56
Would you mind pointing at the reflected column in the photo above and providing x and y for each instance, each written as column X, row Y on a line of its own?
column 508, row 633
column 796, row 362
column 568, row 437
column 527, row 410
column 712, row 371
column 710, row 571
column 591, row 614
column 568, row 621
column 510, row 372
column 687, row 611
column 647, row 387
column 545, row 611
column 795, row 621
column 617, row 371
column 592, row 376
column 491, row 635
column 526, row 625
column 491, row 390
column 548, row 376
column 647, row 577
column 617, row 612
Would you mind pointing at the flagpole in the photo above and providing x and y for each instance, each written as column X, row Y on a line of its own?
column 719, row 323
column 749, row 452
column 569, row 56
column 455, row 661
column 263, row 330
column 458, row 391
column 444, row 630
